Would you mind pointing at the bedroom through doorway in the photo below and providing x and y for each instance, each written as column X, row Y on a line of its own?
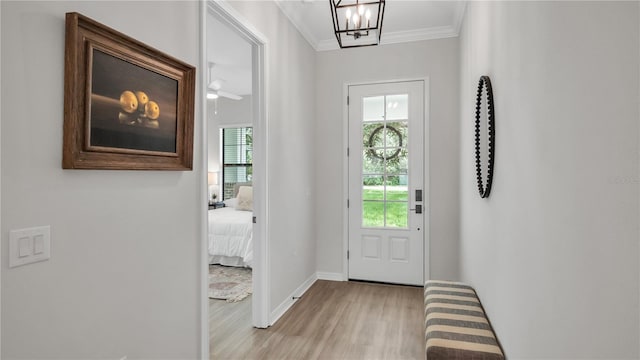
column 235, row 116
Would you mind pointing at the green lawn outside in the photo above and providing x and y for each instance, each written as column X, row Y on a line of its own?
column 393, row 193
column 373, row 207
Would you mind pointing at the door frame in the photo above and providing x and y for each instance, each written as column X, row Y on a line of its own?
column 345, row 171
column 261, row 284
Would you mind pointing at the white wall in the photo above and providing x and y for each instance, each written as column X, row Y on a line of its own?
column 436, row 59
column 123, row 278
column 0, row 192
column 553, row 252
column 291, row 66
column 231, row 113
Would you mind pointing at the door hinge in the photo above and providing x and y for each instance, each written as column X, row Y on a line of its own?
column 347, row 254
column 347, row 203
column 347, row 151
column 254, row 220
column 347, row 100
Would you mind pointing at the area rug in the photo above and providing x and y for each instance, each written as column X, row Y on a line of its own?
column 229, row 283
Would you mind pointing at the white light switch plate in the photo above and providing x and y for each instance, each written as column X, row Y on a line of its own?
column 38, row 244
column 29, row 245
column 25, row 245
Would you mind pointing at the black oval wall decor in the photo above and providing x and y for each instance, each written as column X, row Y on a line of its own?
column 485, row 188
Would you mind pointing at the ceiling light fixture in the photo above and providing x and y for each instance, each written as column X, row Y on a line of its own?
column 357, row 23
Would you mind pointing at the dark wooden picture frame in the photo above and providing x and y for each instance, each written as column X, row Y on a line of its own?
column 127, row 106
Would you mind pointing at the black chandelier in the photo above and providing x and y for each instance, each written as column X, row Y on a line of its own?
column 357, row 22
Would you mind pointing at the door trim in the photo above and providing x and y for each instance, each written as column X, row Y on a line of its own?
column 345, row 172
column 261, row 283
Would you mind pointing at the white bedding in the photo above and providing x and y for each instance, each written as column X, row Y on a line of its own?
column 230, row 237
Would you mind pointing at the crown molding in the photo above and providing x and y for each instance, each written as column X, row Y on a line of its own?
column 306, row 34
column 458, row 16
column 439, row 32
column 396, row 37
column 433, row 33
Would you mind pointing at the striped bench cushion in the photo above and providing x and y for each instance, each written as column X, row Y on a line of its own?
column 456, row 325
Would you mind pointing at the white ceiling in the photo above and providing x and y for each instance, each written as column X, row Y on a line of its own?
column 404, row 21
column 231, row 55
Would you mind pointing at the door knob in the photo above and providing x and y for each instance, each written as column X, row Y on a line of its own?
column 418, row 209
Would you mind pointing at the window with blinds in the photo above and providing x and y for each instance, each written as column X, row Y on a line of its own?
column 237, row 156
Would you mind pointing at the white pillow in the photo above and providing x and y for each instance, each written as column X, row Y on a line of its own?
column 245, row 198
column 233, row 202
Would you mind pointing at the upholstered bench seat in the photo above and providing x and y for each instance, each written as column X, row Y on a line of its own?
column 456, row 325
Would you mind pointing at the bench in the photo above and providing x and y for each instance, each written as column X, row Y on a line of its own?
column 456, row 325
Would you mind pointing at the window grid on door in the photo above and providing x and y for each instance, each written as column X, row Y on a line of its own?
column 385, row 196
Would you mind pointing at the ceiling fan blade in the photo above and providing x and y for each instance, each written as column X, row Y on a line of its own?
column 216, row 84
column 229, row 95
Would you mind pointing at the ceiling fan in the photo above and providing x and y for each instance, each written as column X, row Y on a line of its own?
column 214, row 88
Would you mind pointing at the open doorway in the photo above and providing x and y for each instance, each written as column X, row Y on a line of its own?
column 230, row 180
column 236, row 241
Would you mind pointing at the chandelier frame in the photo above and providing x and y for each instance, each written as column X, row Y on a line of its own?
column 360, row 32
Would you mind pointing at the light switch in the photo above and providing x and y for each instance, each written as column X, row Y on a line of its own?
column 24, row 244
column 29, row 245
column 38, row 244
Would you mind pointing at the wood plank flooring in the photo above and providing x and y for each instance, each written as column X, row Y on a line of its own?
column 333, row 320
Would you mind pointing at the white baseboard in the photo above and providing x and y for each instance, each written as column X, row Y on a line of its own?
column 331, row 276
column 289, row 301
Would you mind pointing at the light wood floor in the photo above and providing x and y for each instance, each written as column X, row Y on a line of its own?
column 334, row 320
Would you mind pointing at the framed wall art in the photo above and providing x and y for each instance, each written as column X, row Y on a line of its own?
column 127, row 106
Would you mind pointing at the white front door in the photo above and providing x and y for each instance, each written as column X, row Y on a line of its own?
column 386, row 195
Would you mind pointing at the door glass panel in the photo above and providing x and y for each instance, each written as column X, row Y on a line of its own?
column 373, row 147
column 397, row 135
column 397, row 214
column 385, row 191
column 373, row 213
column 373, row 187
column 398, row 164
column 390, row 154
column 393, row 136
column 373, row 135
column 396, row 188
column 397, row 107
column 373, row 108
column 371, row 164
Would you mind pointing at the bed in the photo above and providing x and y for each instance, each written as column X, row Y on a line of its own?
column 231, row 234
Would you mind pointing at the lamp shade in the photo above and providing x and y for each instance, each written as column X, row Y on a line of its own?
column 212, row 178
